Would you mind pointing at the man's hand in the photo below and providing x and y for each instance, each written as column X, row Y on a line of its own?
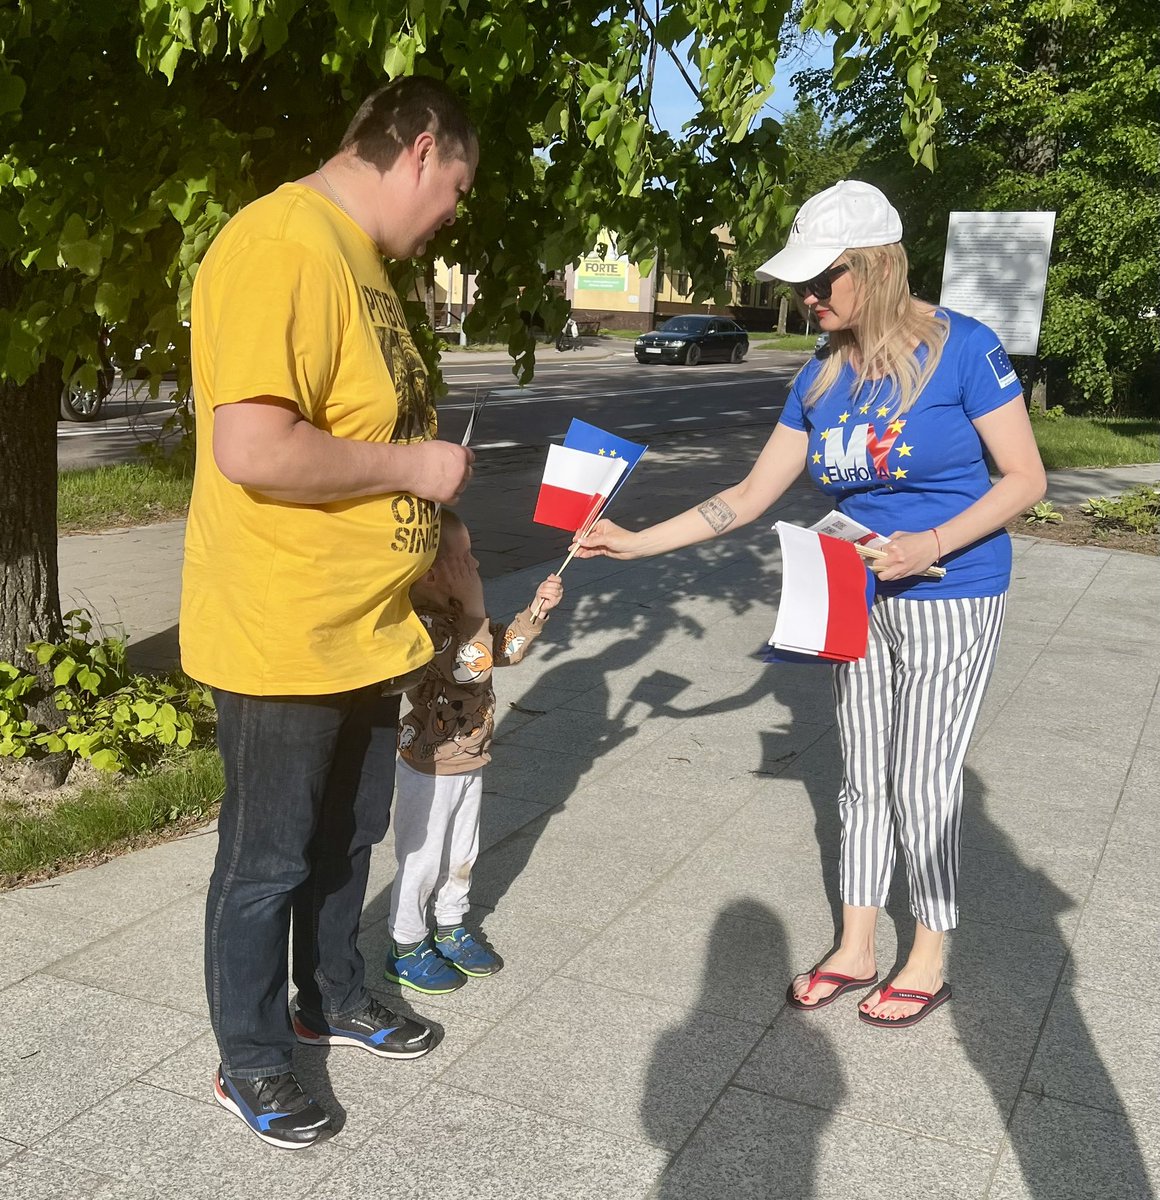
column 548, row 595
column 441, row 470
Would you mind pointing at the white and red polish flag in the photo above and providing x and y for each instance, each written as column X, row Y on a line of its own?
column 576, row 484
column 823, row 611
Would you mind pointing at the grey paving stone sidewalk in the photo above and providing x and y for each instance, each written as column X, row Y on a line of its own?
column 660, row 851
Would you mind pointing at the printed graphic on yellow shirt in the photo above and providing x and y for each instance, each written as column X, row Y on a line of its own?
column 416, row 531
column 416, row 421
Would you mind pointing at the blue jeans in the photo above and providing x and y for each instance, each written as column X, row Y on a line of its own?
column 308, row 794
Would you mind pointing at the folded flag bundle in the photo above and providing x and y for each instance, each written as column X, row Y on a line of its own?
column 824, row 608
column 580, row 478
column 583, row 475
column 575, row 486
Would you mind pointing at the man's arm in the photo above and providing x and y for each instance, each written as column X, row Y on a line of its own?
column 266, row 445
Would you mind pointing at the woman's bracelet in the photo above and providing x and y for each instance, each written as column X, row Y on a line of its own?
column 938, row 543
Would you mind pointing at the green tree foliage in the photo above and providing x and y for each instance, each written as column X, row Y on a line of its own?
column 1050, row 105
column 134, row 128
column 819, row 154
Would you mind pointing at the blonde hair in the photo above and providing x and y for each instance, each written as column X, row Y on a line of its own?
column 892, row 326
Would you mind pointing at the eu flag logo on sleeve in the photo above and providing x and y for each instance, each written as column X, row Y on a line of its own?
column 1001, row 365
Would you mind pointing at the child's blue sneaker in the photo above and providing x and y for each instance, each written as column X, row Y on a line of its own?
column 423, row 970
column 466, row 954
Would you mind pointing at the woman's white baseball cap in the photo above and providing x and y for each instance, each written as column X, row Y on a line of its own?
column 851, row 213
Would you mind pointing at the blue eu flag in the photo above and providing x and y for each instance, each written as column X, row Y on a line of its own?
column 582, row 436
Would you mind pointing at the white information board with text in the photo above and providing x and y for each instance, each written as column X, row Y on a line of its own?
column 996, row 271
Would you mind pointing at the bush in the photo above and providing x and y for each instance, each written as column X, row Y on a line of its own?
column 116, row 719
column 1137, row 510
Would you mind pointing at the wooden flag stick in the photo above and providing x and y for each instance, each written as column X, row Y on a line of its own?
column 870, row 553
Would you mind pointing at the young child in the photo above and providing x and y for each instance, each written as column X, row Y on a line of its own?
column 444, row 742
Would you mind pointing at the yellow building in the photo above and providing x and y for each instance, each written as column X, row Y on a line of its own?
column 607, row 290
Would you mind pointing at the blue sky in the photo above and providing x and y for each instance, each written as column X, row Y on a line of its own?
column 674, row 104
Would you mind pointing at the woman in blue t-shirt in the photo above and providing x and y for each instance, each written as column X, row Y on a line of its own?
column 893, row 424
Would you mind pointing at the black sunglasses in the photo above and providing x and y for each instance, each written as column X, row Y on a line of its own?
column 821, row 286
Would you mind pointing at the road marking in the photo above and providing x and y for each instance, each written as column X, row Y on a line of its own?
column 135, row 428
column 521, row 395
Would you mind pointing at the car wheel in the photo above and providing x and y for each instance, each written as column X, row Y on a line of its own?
column 738, row 353
column 84, row 403
column 692, row 355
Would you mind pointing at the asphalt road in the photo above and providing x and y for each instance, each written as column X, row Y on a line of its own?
column 616, row 393
column 130, row 419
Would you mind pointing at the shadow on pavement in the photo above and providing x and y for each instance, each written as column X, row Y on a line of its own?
column 1065, row 1151
column 158, row 653
column 748, row 1144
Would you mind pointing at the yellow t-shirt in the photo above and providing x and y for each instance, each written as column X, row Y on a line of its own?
column 293, row 300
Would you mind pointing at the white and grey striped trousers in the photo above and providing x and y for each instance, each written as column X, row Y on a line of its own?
column 905, row 715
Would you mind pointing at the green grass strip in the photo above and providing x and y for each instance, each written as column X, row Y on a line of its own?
column 787, row 341
column 106, row 815
column 1067, row 441
column 126, row 494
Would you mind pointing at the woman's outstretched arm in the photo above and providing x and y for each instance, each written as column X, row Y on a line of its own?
column 781, row 461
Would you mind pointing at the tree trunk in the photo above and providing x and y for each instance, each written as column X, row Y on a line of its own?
column 29, row 593
column 782, row 313
column 1035, row 151
column 29, row 598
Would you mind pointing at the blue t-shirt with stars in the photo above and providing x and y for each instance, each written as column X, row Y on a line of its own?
column 913, row 471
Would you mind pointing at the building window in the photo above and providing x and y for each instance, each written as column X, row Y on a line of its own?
column 747, row 293
column 682, row 284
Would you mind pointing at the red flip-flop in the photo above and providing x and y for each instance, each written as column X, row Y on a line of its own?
column 929, row 1001
column 846, row 983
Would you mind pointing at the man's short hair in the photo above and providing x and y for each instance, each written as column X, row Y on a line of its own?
column 393, row 117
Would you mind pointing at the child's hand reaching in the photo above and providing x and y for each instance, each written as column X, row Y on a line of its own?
column 548, row 595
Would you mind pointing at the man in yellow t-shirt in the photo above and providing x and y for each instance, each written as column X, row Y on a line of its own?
column 315, row 506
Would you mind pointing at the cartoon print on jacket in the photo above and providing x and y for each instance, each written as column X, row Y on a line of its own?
column 407, row 736
column 444, row 633
column 472, row 660
column 451, row 723
column 513, row 643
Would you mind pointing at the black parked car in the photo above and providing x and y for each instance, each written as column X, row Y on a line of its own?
column 692, row 339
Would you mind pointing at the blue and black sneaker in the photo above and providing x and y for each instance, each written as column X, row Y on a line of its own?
column 422, row 969
column 275, row 1108
column 376, row 1028
column 466, row 954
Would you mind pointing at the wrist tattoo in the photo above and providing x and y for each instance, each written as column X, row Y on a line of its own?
column 717, row 514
